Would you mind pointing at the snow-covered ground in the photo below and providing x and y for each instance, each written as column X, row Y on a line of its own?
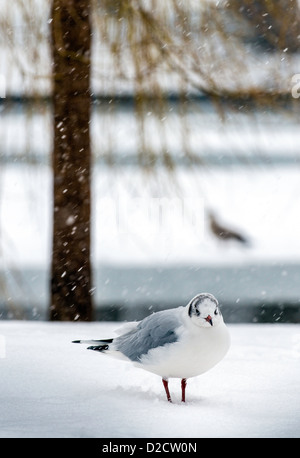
column 155, row 221
column 50, row 387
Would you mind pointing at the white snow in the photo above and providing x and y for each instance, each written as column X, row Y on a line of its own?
column 243, row 199
column 50, row 387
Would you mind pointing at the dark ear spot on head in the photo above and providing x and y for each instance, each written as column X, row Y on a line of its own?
column 193, row 306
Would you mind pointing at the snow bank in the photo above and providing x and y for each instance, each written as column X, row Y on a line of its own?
column 50, row 387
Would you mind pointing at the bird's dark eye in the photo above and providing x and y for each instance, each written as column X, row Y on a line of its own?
column 197, row 312
column 216, row 312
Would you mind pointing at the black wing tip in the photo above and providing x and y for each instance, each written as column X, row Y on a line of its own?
column 98, row 347
column 76, row 341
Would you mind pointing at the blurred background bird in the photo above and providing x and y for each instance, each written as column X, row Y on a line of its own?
column 224, row 233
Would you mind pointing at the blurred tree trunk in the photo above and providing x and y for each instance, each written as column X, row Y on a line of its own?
column 71, row 280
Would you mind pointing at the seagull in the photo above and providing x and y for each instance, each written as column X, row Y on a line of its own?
column 182, row 342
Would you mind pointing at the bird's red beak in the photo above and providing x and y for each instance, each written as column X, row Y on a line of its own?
column 209, row 319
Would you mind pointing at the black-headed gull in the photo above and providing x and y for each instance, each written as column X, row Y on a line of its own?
column 177, row 343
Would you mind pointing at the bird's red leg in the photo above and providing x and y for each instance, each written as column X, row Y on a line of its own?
column 183, row 385
column 165, row 382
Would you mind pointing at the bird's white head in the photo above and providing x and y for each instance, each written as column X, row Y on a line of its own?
column 204, row 310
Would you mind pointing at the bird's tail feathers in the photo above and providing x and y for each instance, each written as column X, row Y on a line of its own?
column 98, row 345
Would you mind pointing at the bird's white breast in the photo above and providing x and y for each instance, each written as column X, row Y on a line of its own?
column 197, row 350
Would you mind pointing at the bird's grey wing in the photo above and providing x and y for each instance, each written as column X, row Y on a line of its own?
column 154, row 331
